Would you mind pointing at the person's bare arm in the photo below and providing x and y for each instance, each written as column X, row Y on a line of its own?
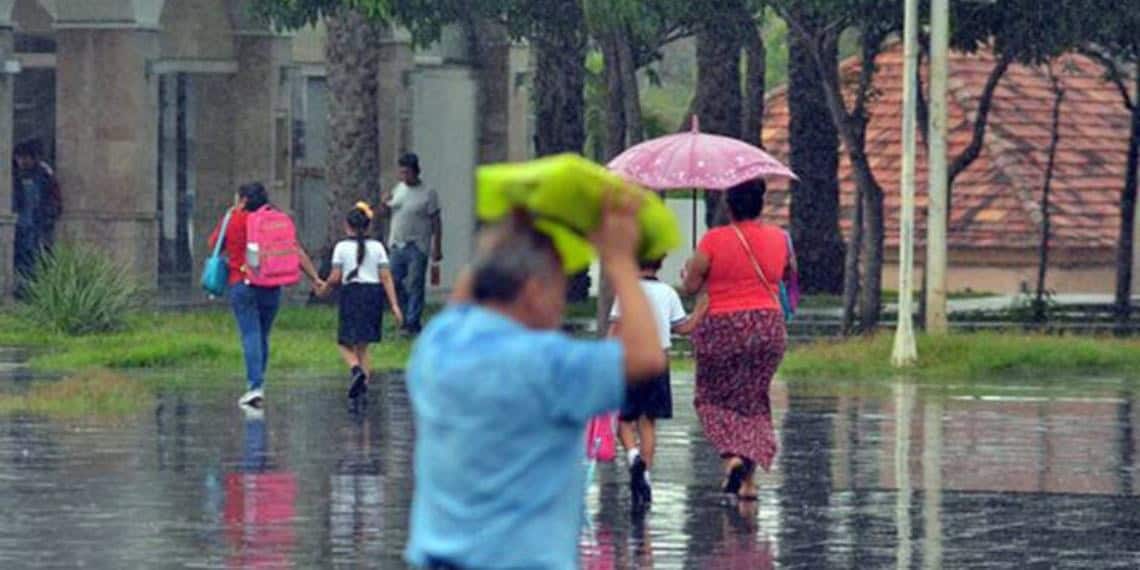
column 694, row 275
column 690, row 324
column 385, row 201
column 616, row 241
column 437, row 238
column 390, row 291
column 307, row 265
column 323, row 289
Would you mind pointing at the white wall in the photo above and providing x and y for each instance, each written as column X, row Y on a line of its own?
column 444, row 133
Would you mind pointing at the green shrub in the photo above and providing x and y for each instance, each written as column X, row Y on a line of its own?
column 78, row 290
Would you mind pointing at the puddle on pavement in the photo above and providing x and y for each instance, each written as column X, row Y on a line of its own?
column 901, row 479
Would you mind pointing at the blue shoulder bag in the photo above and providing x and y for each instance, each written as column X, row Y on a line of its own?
column 216, row 273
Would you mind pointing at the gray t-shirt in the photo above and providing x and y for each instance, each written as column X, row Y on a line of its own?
column 412, row 211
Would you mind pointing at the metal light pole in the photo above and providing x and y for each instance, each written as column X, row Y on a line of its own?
column 905, row 352
column 936, row 245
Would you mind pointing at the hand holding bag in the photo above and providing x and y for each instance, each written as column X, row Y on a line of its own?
column 216, row 272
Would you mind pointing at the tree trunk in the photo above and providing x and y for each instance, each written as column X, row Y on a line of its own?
column 756, row 53
column 719, row 97
column 978, row 136
column 814, row 155
column 616, row 133
column 1039, row 309
column 631, row 92
column 870, row 304
column 851, row 265
column 352, row 51
column 615, row 96
column 1124, row 252
column 560, row 82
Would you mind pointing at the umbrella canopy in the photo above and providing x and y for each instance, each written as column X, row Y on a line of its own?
column 696, row 160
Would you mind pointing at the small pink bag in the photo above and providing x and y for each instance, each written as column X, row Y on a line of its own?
column 601, row 444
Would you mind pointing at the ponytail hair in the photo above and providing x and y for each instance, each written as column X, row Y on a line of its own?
column 358, row 219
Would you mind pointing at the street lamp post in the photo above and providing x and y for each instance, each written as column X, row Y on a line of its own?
column 936, row 218
column 905, row 351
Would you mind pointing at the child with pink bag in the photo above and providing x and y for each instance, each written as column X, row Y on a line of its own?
column 650, row 401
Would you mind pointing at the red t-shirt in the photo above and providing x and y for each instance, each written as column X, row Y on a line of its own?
column 732, row 281
column 234, row 246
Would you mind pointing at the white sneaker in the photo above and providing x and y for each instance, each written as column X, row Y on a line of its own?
column 252, row 398
column 253, row 414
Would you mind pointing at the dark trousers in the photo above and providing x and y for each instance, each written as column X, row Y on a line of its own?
column 409, row 271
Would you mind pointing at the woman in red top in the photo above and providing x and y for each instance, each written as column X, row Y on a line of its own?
column 741, row 342
column 254, row 307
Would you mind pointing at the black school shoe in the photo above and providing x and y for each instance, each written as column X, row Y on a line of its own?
column 639, row 490
column 359, row 384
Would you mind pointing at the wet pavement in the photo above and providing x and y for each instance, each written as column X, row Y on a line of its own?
column 1009, row 476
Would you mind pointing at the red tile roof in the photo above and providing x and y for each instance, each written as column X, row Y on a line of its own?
column 996, row 201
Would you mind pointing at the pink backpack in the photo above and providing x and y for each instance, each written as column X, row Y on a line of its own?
column 271, row 250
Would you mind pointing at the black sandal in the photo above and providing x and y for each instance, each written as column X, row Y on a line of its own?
column 736, row 477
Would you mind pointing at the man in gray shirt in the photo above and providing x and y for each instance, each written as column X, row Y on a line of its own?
column 416, row 232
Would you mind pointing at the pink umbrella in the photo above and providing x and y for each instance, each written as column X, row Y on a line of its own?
column 696, row 160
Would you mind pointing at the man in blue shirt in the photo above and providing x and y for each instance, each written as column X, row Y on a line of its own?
column 501, row 401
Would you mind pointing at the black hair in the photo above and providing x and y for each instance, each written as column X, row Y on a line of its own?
column 31, row 149
column 411, row 162
column 255, row 196
column 651, row 264
column 358, row 220
column 746, row 200
column 509, row 254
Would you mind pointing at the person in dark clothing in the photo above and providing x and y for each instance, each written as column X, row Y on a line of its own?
column 36, row 203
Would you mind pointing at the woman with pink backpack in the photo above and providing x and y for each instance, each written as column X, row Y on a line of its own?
column 262, row 255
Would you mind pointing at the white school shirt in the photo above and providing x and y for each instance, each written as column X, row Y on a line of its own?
column 666, row 306
column 375, row 257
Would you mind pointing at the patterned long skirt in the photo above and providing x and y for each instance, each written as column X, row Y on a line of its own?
column 737, row 356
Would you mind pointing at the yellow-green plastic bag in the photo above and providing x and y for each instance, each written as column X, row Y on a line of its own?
column 564, row 193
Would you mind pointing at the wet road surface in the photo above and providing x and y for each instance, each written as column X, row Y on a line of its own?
column 900, row 477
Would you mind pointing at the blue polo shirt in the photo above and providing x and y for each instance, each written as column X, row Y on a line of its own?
column 500, row 416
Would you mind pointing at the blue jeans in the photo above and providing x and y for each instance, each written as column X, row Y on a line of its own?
column 409, row 271
column 255, row 308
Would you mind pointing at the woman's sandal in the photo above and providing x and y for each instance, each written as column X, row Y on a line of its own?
column 736, row 477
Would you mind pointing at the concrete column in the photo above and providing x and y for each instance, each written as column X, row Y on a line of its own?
column 7, row 219
column 262, row 115
column 106, row 129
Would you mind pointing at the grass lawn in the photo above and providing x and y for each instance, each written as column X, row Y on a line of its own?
column 303, row 341
column 965, row 358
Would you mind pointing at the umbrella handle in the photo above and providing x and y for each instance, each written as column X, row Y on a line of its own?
column 696, row 123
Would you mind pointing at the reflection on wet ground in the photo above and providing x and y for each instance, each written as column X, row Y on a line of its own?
column 907, row 478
